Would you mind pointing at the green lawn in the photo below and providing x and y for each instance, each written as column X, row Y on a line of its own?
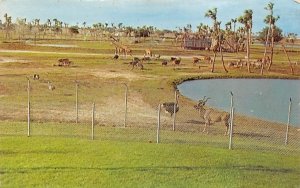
column 76, row 162
column 57, row 155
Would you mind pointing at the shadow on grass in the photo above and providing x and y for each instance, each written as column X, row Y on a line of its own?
column 149, row 169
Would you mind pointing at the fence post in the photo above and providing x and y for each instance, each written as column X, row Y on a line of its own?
column 76, row 102
column 231, row 128
column 93, row 120
column 158, row 124
column 231, row 121
column 288, row 123
column 126, row 99
column 175, row 105
column 28, row 112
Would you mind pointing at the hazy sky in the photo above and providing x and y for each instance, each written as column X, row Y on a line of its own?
column 160, row 13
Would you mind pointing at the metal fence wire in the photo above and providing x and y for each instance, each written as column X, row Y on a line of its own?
column 111, row 111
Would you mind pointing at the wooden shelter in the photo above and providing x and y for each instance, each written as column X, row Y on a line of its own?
column 196, row 43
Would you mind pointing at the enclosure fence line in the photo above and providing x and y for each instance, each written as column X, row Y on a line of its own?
column 235, row 135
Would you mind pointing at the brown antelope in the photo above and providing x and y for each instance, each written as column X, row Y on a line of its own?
column 64, row 62
column 136, row 62
column 148, row 52
column 206, row 58
column 236, row 64
column 195, row 60
column 175, row 61
column 211, row 116
column 164, row 63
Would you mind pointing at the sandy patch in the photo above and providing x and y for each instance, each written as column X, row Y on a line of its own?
column 52, row 45
column 11, row 60
column 107, row 74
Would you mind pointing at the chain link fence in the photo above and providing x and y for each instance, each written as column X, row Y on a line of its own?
column 111, row 111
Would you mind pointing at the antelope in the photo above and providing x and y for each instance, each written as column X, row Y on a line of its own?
column 211, row 116
column 175, row 61
column 206, row 58
column 148, row 52
column 195, row 60
column 164, row 63
column 64, row 62
column 136, row 62
column 236, row 64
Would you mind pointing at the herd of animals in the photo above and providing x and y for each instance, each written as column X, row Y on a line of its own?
column 209, row 115
column 176, row 61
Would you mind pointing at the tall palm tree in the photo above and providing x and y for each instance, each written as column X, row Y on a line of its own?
column 269, row 7
column 246, row 19
column 234, row 23
column 272, row 20
column 212, row 13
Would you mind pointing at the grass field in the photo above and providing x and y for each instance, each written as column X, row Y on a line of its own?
column 76, row 162
column 61, row 154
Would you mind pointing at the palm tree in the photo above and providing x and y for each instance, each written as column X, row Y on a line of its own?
column 7, row 25
column 213, row 15
column 234, row 23
column 246, row 19
column 269, row 7
column 228, row 26
column 272, row 20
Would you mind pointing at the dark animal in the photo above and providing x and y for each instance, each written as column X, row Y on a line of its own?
column 36, row 77
column 164, row 63
column 136, row 62
column 195, row 60
column 116, row 56
column 169, row 106
column 64, row 62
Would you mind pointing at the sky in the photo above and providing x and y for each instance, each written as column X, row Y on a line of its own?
column 167, row 14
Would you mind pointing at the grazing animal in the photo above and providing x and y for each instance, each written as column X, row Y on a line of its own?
column 266, row 61
column 136, row 62
column 175, row 61
column 36, row 77
column 206, row 58
column 50, row 86
column 148, row 52
column 195, row 60
column 164, row 63
column 211, row 116
column 173, row 58
column 169, row 106
column 236, row 64
column 256, row 64
column 116, row 56
column 64, row 62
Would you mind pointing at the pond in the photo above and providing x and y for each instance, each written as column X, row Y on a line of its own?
column 266, row 99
